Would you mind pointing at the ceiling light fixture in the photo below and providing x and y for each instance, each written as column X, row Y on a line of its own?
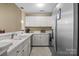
column 40, row 5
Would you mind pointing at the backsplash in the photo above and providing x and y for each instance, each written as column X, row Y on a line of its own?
column 39, row 29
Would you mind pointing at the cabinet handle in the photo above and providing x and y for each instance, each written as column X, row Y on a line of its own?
column 17, row 51
column 22, row 50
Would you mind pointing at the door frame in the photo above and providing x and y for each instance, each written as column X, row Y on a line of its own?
column 78, row 33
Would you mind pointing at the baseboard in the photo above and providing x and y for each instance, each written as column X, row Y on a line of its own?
column 64, row 53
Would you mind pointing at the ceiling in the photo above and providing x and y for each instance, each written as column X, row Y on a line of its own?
column 32, row 8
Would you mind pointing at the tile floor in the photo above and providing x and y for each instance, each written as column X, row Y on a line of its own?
column 40, row 51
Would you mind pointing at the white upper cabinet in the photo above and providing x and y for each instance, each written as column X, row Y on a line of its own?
column 38, row 21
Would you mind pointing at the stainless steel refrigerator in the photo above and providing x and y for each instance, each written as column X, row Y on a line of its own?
column 64, row 35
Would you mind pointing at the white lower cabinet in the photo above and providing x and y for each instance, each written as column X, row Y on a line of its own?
column 23, row 49
column 26, row 49
column 40, row 40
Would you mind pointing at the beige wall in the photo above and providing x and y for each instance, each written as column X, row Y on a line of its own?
column 10, row 17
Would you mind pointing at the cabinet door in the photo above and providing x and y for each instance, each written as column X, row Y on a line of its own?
column 44, row 39
column 35, row 39
column 39, row 40
column 25, row 50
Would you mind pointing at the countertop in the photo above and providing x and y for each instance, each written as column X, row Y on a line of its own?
column 4, row 46
column 16, row 42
